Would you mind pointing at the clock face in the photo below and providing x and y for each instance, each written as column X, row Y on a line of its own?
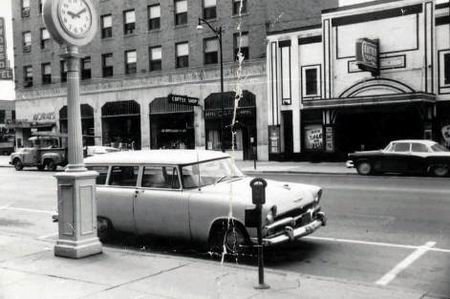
column 75, row 17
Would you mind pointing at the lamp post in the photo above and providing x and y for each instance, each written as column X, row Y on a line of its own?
column 218, row 32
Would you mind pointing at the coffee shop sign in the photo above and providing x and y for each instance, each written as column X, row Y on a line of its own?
column 49, row 116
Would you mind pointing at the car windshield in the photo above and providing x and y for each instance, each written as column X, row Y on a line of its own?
column 439, row 148
column 209, row 173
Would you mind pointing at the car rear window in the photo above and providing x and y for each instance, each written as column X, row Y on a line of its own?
column 102, row 173
column 419, row 147
column 124, row 176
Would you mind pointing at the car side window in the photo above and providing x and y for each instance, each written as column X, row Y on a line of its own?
column 124, row 176
column 419, row 148
column 102, row 173
column 165, row 177
column 401, row 147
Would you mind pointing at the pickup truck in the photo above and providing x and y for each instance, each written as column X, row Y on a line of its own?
column 45, row 152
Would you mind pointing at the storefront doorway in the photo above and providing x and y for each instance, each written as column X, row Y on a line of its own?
column 245, row 126
column 374, row 128
column 87, row 123
column 121, row 124
column 171, row 125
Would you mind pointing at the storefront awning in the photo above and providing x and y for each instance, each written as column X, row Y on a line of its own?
column 340, row 103
column 245, row 109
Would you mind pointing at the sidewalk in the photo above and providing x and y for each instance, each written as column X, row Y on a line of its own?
column 28, row 269
column 272, row 166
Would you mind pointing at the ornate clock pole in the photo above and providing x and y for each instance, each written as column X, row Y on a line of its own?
column 73, row 24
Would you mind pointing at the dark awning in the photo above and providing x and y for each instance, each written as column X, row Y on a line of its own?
column 162, row 106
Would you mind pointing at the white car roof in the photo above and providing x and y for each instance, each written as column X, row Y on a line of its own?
column 423, row 141
column 173, row 156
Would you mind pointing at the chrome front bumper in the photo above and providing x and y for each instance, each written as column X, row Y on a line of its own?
column 291, row 233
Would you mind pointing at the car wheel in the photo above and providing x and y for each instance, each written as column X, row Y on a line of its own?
column 228, row 236
column 440, row 170
column 104, row 229
column 18, row 164
column 51, row 165
column 40, row 167
column 364, row 168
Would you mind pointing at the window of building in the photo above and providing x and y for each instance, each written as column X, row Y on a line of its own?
column 182, row 53
column 211, row 49
column 63, row 69
column 311, row 81
column 155, row 58
column 45, row 38
column 27, row 42
column 40, row 6
column 237, row 6
column 154, row 17
column 209, row 9
column 25, row 8
column 447, row 68
column 2, row 117
column 107, row 65
column 285, row 73
column 130, row 62
column 86, row 68
column 243, row 43
column 106, row 23
column 124, row 176
column 180, row 12
column 46, row 70
column 129, row 21
column 27, row 76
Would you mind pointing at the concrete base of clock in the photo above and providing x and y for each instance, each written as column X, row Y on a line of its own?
column 77, row 215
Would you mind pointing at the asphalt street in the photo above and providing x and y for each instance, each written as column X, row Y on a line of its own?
column 385, row 230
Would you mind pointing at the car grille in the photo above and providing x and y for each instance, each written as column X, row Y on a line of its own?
column 296, row 212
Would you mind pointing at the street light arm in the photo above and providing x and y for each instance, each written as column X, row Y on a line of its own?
column 217, row 31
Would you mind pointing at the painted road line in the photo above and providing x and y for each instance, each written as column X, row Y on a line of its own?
column 383, row 244
column 28, row 210
column 388, row 277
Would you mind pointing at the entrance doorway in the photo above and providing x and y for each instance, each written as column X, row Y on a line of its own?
column 87, row 123
column 372, row 130
column 121, row 124
column 171, row 125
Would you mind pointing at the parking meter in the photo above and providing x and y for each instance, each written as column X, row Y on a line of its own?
column 258, row 186
column 258, row 191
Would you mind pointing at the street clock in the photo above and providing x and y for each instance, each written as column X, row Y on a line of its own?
column 71, row 22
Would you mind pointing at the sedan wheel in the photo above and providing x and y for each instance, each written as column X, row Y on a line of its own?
column 18, row 165
column 440, row 170
column 364, row 168
column 230, row 238
column 51, row 165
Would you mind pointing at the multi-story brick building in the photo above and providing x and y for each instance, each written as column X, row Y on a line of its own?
column 145, row 50
column 325, row 103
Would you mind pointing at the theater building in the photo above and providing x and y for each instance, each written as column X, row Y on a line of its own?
column 146, row 50
column 369, row 73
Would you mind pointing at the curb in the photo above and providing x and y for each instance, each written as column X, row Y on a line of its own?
column 297, row 172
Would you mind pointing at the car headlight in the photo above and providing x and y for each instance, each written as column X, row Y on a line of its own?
column 318, row 196
column 270, row 217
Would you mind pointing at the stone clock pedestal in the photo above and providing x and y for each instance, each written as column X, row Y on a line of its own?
column 77, row 215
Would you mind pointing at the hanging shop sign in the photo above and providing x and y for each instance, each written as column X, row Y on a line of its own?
column 6, row 72
column 183, row 100
column 367, row 55
column 313, row 137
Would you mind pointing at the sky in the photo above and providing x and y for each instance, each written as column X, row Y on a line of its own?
column 7, row 87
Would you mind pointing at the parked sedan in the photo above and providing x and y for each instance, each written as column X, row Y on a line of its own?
column 404, row 156
column 199, row 196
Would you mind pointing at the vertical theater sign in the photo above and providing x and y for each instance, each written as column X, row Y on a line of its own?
column 5, row 70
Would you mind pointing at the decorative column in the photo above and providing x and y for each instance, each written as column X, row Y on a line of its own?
column 77, row 214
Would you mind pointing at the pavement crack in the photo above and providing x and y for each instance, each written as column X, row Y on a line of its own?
column 147, row 276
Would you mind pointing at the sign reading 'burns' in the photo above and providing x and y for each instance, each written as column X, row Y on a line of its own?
column 367, row 57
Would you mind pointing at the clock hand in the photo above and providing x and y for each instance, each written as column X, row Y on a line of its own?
column 80, row 12
column 73, row 15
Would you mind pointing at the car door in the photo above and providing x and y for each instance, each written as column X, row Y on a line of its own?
column 397, row 158
column 160, row 206
column 419, row 152
column 115, row 198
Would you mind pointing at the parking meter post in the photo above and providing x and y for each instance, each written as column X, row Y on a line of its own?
column 254, row 156
column 258, row 186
